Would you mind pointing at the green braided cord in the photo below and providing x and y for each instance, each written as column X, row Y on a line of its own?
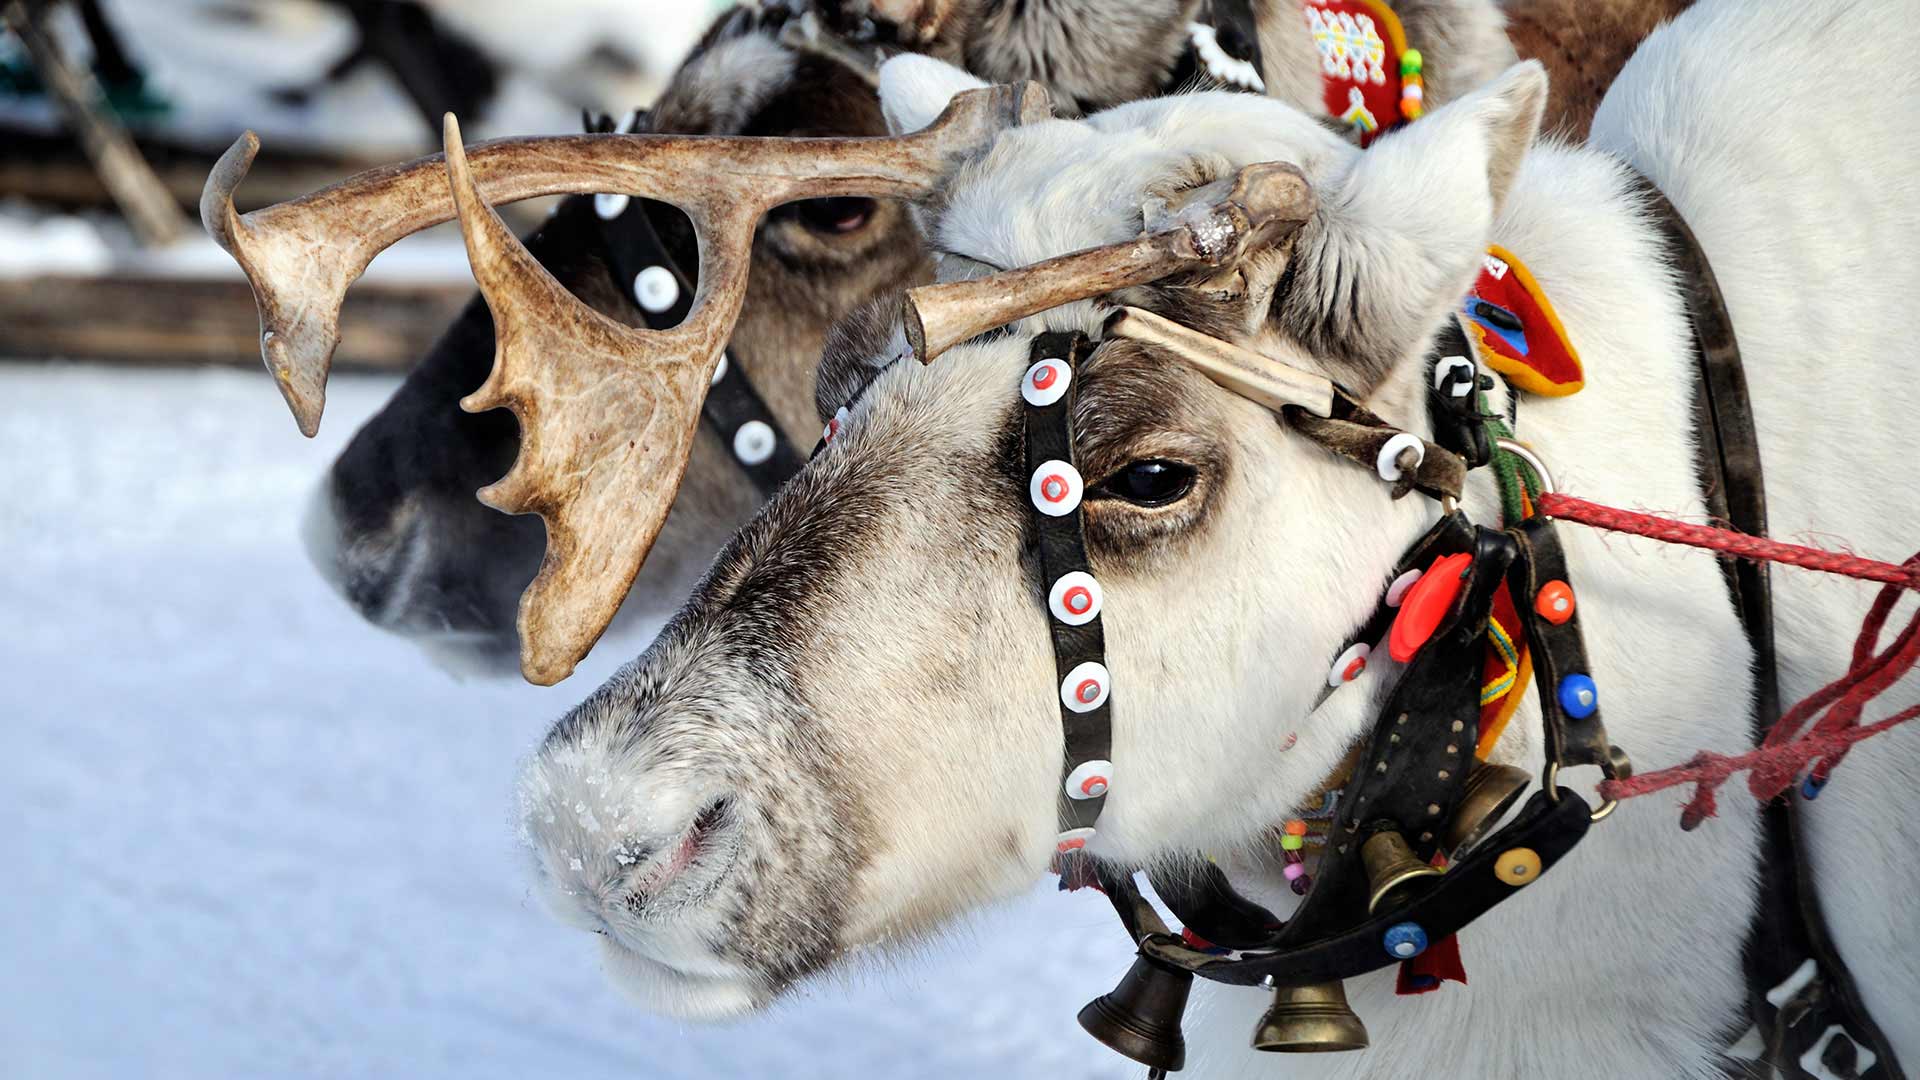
column 1513, row 474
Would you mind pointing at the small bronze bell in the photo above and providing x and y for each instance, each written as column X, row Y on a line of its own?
column 1390, row 868
column 1491, row 791
column 1311, row 1019
column 1141, row 1017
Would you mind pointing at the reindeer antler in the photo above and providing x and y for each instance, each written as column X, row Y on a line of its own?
column 1219, row 224
column 607, row 412
column 301, row 256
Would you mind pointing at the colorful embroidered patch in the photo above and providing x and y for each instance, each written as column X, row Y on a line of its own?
column 1516, row 330
column 1361, row 46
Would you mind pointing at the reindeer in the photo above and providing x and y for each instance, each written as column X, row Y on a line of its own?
column 395, row 527
column 850, row 734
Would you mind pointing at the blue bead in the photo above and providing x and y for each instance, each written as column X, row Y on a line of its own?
column 1404, row 941
column 1810, row 787
column 1578, row 696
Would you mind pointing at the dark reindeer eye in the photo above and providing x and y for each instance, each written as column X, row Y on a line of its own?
column 1153, row 482
column 835, row 217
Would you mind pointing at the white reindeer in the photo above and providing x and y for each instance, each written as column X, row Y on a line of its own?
column 849, row 735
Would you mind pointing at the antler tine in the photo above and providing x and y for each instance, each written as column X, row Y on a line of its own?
column 300, row 256
column 607, row 418
column 289, row 333
column 608, row 413
column 1263, row 204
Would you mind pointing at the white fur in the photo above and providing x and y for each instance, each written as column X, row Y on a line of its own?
column 914, row 89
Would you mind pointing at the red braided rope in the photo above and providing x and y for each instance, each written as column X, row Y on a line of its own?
column 1834, row 710
column 1570, row 508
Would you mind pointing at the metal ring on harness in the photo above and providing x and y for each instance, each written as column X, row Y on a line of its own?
column 1521, row 451
column 1618, row 767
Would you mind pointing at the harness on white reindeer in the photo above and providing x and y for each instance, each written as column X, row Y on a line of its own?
column 1416, row 795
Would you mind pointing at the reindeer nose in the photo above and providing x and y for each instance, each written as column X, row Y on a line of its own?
column 393, row 568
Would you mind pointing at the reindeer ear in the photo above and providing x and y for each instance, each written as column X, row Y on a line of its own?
column 915, row 89
column 1400, row 236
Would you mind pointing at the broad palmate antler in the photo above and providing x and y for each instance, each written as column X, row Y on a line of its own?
column 607, row 412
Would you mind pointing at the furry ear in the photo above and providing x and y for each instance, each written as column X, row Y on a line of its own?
column 915, row 89
column 1399, row 237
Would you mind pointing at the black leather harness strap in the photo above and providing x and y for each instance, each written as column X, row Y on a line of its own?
column 651, row 279
column 1073, row 595
column 1802, row 1000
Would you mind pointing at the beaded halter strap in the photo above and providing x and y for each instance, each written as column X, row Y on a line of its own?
column 646, row 272
column 1054, row 488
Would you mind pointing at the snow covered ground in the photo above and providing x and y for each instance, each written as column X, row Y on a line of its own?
column 247, row 835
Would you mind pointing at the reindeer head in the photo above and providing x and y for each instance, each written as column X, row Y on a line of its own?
column 851, row 731
column 395, row 525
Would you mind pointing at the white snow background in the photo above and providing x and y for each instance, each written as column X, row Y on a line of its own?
column 247, row 835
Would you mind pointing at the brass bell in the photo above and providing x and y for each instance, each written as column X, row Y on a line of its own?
column 1141, row 1017
column 1491, row 791
column 1390, row 868
column 1310, row 1019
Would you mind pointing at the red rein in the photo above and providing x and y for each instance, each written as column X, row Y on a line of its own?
column 1817, row 731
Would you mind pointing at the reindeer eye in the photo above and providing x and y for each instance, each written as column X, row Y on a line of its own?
column 835, row 217
column 1152, row 482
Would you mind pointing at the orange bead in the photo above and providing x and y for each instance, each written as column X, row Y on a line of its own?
column 1296, row 827
column 1554, row 602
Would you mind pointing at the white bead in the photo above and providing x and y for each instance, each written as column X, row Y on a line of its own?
column 1397, row 591
column 1443, row 372
column 608, row 207
column 1412, row 92
column 655, row 289
column 1357, row 652
column 753, row 442
column 1072, row 840
column 719, row 371
column 1046, row 381
column 834, row 425
column 1090, row 779
column 1085, row 687
column 1387, row 464
column 1075, row 599
column 1055, row 488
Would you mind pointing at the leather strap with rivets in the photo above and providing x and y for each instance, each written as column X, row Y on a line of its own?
column 1073, row 596
column 648, row 275
column 1547, row 829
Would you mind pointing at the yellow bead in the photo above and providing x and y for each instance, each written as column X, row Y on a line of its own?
column 1517, row 866
column 1293, row 843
